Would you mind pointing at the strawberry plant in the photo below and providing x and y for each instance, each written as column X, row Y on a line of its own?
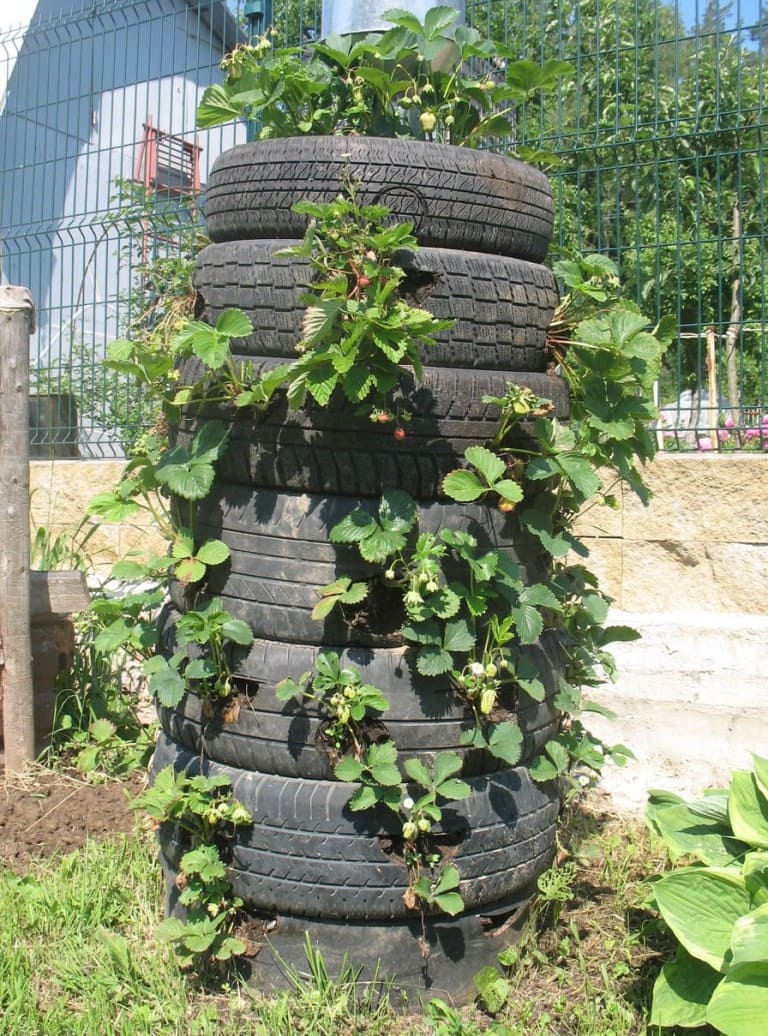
column 342, row 696
column 433, row 882
column 392, row 84
column 200, row 807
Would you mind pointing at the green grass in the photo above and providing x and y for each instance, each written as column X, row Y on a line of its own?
column 78, row 955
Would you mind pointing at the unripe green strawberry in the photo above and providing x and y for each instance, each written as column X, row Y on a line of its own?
column 428, row 121
column 487, row 700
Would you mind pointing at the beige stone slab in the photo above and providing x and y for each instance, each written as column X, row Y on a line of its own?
column 60, row 490
column 600, row 519
column 674, row 576
column 702, row 498
column 605, row 560
column 60, row 493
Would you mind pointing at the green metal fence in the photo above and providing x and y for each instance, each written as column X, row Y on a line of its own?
column 660, row 130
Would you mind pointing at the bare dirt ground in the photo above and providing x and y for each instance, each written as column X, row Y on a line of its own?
column 43, row 813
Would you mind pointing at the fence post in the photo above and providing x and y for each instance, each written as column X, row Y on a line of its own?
column 17, row 322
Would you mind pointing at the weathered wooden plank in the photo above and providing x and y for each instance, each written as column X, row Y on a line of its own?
column 56, row 593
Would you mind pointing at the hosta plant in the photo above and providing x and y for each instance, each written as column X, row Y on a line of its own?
column 716, row 905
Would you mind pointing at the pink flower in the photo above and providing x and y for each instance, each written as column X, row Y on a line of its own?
column 764, row 419
column 752, row 433
column 723, row 434
column 704, row 443
column 729, row 422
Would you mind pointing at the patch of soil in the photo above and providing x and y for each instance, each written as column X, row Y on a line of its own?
column 43, row 814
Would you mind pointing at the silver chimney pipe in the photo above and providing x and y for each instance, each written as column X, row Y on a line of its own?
column 348, row 16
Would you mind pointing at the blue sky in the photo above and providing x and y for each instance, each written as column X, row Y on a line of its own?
column 745, row 11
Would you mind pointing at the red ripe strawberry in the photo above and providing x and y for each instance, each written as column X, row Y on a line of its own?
column 399, row 434
column 363, row 281
column 383, row 417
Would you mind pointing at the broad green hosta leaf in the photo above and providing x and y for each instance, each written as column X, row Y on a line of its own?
column 748, row 809
column 739, row 1005
column 750, row 939
column 686, row 832
column 755, row 874
column 760, row 767
column 701, row 905
column 682, row 991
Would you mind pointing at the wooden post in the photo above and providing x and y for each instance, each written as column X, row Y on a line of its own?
column 17, row 322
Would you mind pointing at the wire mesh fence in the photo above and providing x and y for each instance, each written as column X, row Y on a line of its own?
column 659, row 128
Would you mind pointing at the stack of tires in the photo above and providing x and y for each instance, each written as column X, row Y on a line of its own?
column 310, row 864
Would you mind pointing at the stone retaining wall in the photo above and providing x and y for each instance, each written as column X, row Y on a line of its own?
column 701, row 543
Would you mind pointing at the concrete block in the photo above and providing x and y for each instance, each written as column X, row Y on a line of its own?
column 704, row 498
column 690, row 700
column 673, row 575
